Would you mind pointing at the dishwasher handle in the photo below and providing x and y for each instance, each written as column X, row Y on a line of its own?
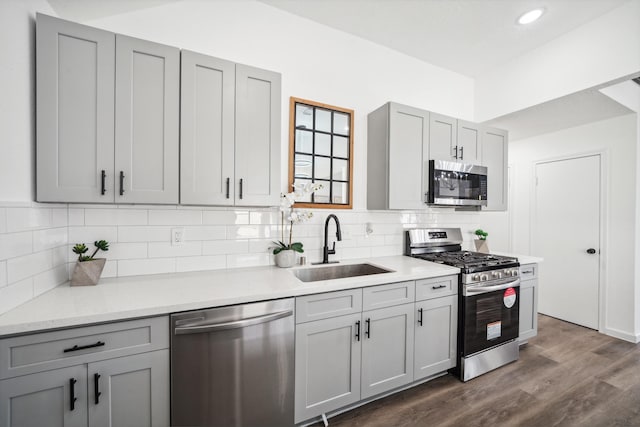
column 242, row 323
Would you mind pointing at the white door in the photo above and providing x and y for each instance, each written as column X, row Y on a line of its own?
column 566, row 232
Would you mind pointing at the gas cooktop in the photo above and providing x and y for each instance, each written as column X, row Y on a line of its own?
column 469, row 262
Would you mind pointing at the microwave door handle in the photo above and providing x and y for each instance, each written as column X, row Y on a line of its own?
column 476, row 290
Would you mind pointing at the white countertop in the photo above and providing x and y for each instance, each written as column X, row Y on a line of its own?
column 142, row 296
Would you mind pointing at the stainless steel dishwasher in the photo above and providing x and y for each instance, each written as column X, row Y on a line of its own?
column 233, row 366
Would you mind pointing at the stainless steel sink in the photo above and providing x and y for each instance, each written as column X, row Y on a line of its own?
column 338, row 272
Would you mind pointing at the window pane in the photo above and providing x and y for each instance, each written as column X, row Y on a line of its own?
column 340, row 146
column 304, row 116
column 323, row 120
column 302, row 166
column 340, row 169
column 341, row 123
column 304, row 142
column 323, row 144
column 306, row 198
column 322, row 167
column 322, row 195
column 340, row 193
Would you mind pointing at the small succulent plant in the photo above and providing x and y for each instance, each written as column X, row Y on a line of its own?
column 482, row 235
column 81, row 249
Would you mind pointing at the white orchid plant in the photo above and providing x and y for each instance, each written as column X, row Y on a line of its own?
column 292, row 216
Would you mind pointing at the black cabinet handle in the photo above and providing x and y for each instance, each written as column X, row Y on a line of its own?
column 358, row 330
column 96, row 387
column 228, row 183
column 121, row 183
column 83, row 347
column 439, row 287
column 241, row 182
column 591, row 251
column 461, row 153
column 368, row 331
column 72, row 389
column 420, row 317
column 455, row 150
column 103, row 176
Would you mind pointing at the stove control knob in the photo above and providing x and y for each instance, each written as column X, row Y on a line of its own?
column 508, row 273
column 484, row 277
column 475, row 277
column 514, row 273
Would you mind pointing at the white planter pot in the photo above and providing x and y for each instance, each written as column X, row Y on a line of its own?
column 482, row 246
column 87, row 273
column 286, row 258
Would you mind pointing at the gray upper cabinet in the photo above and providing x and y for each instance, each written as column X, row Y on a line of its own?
column 147, row 111
column 397, row 151
column 454, row 140
column 230, row 133
column 207, row 131
column 257, row 145
column 91, row 82
column 75, row 112
column 495, row 144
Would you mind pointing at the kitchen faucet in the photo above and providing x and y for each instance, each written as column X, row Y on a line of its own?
column 325, row 250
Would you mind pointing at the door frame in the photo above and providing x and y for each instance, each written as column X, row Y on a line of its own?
column 603, row 154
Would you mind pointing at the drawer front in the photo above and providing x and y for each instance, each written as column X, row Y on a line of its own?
column 330, row 304
column 529, row 271
column 388, row 295
column 436, row 287
column 51, row 350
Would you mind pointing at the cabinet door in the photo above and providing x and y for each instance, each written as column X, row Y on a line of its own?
column 494, row 157
column 468, row 143
column 44, row 399
column 257, row 159
column 435, row 336
column 443, row 138
column 206, row 130
column 132, row 391
column 528, row 309
column 387, row 349
column 75, row 79
column 408, row 145
column 147, row 111
column 327, row 371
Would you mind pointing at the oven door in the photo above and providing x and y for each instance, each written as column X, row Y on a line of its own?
column 457, row 184
column 490, row 315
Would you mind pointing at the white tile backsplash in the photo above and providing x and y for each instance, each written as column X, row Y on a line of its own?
column 36, row 240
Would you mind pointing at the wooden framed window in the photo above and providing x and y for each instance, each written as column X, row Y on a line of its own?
column 321, row 151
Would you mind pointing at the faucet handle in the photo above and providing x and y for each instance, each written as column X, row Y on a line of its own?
column 332, row 251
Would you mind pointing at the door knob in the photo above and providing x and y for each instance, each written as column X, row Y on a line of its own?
column 591, row 251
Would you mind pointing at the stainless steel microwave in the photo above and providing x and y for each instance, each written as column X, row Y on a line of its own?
column 456, row 184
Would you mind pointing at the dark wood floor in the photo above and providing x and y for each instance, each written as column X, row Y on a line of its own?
column 566, row 376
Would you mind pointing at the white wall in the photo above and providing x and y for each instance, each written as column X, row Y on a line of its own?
column 601, row 51
column 617, row 137
column 17, row 109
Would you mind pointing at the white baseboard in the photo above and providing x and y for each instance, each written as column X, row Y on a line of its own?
column 623, row 335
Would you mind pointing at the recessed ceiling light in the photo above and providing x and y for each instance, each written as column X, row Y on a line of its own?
column 531, row 16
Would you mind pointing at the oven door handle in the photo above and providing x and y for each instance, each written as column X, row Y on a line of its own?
column 475, row 290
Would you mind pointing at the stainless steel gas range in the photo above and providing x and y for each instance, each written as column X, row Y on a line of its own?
column 488, row 299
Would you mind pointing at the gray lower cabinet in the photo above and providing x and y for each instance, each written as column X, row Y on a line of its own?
column 131, row 391
column 107, row 116
column 387, row 349
column 44, row 399
column 528, row 302
column 435, row 336
column 113, row 374
column 327, row 365
column 230, row 133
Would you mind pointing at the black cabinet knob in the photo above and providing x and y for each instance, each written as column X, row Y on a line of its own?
column 591, row 251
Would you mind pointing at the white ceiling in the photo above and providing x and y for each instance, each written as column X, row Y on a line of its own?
column 465, row 36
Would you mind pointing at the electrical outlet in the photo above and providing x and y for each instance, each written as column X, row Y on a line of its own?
column 177, row 236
